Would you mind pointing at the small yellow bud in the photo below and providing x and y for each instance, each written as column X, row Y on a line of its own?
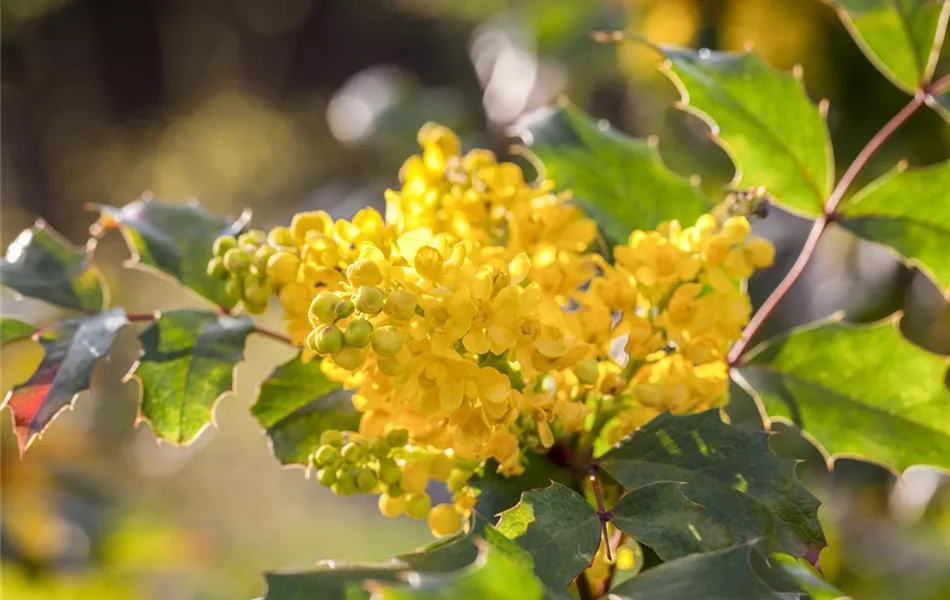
column 216, row 268
column 418, row 505
column 282, row 267
column 237, row 261
column 280, row 236
column 328, row 339
column 586, row 371
column 303, row 223
column 257, row 291
column 254, row 237
column 358, row 333
column 344, row 308
column 387, row 341
column 364, row 272
column 391, row 506
column 223, row 244
column 414, row 477
column 440, row 467
column 323, row 308
column 369, row 300
column 444, row 520
column 761, row 252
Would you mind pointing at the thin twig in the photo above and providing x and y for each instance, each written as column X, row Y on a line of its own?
column 821, row 224
column 602, row 513
column 615, row 542
column 273, row 335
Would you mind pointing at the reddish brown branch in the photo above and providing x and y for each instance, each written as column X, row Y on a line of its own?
column 603, row 514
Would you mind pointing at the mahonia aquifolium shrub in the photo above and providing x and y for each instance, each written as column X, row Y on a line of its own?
column 474, row 321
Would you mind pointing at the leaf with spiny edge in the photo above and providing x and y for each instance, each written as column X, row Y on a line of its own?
column 901, row 38
column 558, row 528
column 736, row 573
column 187, row 363
column 730, row 471
column 774, row 134
column 175, row 239
column 42, row 264
column 71, row 350
column 908, row 210
column 296, row 403
column 12, row 329
column 861, row 389
column 619, row 180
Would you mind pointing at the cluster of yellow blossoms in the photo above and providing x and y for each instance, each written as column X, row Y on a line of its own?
column 475, row 318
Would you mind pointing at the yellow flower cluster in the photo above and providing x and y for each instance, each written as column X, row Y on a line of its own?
column 475, row 318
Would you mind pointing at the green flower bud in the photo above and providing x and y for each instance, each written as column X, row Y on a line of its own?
column 329, row 339
column 234, row 287
column 345, row 483
column 397, row 438
column 344, row 308
column 216, row 268
column 389, row 471
column 394, row 490
column 257, row 291
column 457, row 480
column 379, row 448
column 323, row 308
column 369, row 300
column 331, row 437
column 387, row 341
column 280, row 236
column 357, row 333
column 223, row 244
column 259, row 261
column 237, row 261
column 326, row 477
column 254, row 237
column 586, row 371
column 418, row 505
column 353, row 453
column 350, row 358
column 326, row 455
column 366, row 480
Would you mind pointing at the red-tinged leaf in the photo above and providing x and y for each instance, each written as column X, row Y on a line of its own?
column 72, row 349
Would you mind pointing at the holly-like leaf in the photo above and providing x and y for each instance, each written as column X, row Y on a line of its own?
column 42, row 264
column 776, row 136
column 296, row 404
column 660, row 516
column 729, row 471
column 187, row 363
column 476, row 565
column 729, row 574
column 620, row 181
column 909, row 211
column 72, row 348
column 12, row 329
column 175, row 239
column 558, row 528
column 901, row 37
column 497, row 493
column 860, row 389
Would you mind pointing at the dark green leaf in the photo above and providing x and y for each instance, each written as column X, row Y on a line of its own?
column 860, row 389
column 722, row 575
column 175, row 239
column 296, row 404
column 729, row 471
column 660, row 516
column 901, row 37
column 498, row 493
column 908, row 210
column 72, row 348
column 558, row 528
column 41, row 264
column 619, row 180
column 12, row 330
column 187, row 363
column 776, row 137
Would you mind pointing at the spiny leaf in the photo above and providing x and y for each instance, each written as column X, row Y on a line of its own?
column 187, row 363
column 776, row 137
column 296, row 404
column 901, row 37
column 12, row 329
column 621, row 181
column 729, row 471
column 72, row 349
column 41, row 264
column 727, row 574
column 175, row 239
column 861, row 389
column 497, row 493
column 558, row 528
column 660, row 516
column 908, row 210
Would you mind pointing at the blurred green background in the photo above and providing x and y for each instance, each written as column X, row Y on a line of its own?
column 285, row 105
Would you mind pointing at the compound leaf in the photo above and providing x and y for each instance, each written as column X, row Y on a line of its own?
column 558, row 528
column 860, row 389
column 776, row 136
column 42, row 264
column 729, row 471
column 901, row 37
column 660, row 516
column 296, row 404
column 621, row 181
column 12, row 329
column 175, row 239
column 728, row 574
column 71, row 350
column 187, row 363
column 908, row 210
